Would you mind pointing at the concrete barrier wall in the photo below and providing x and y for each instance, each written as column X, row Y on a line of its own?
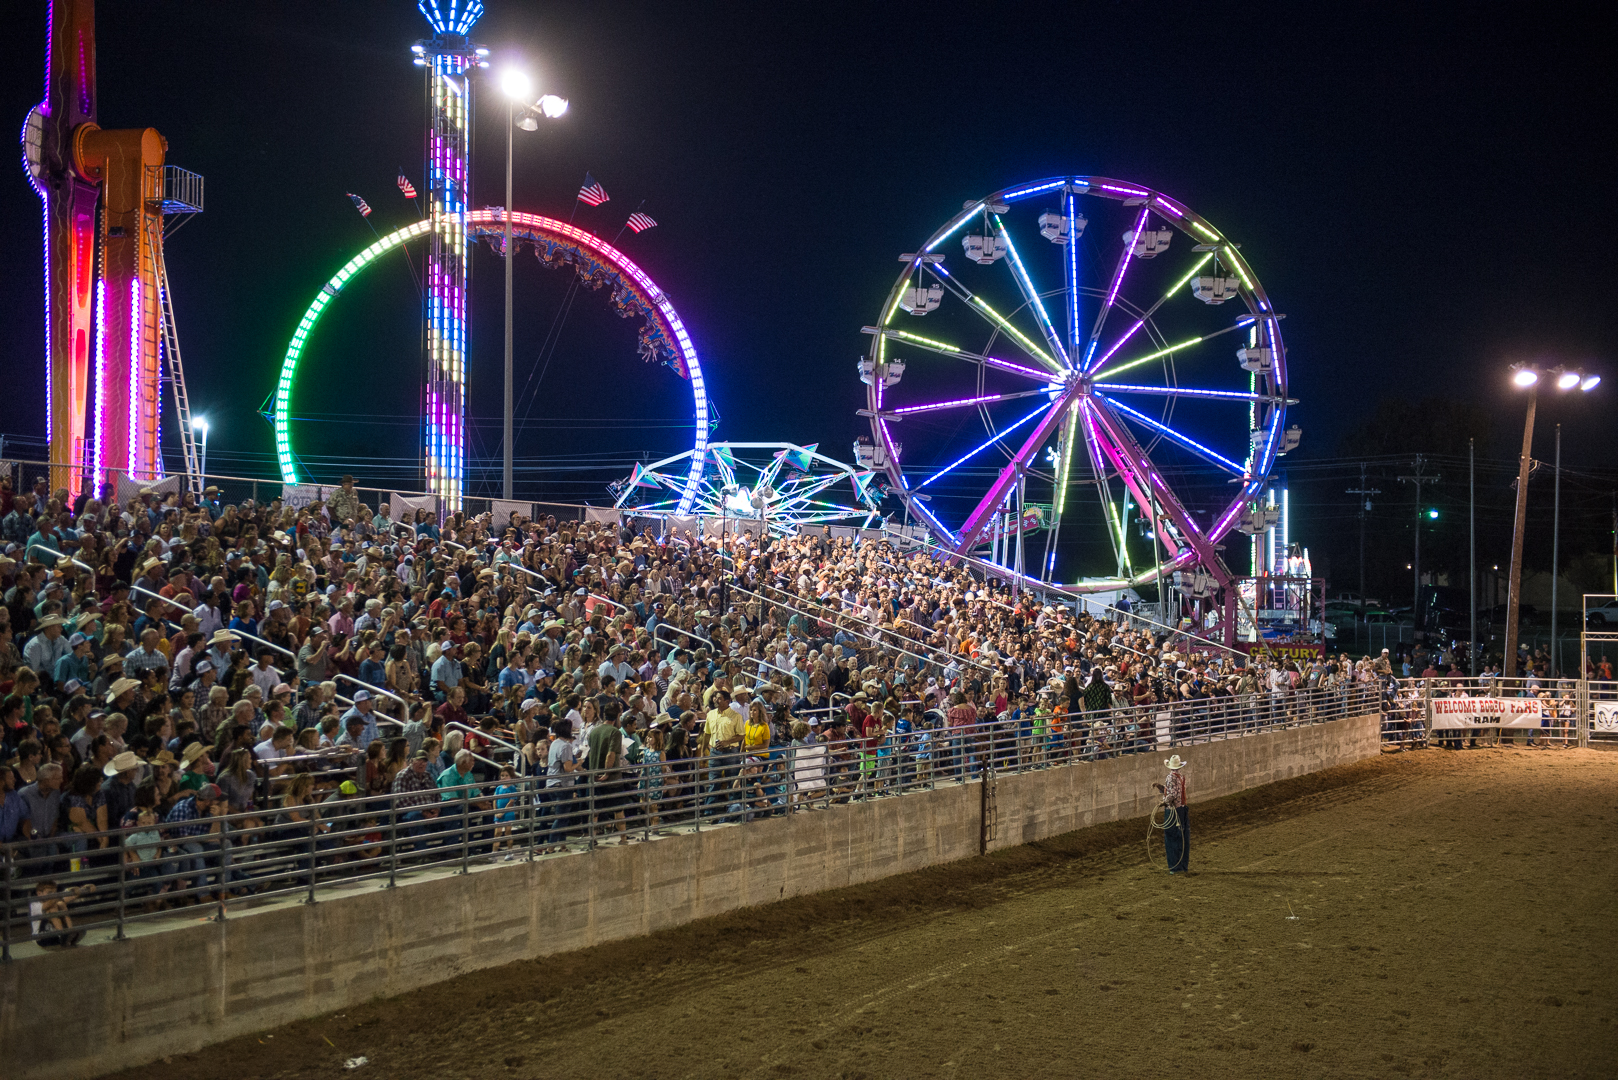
column 87, row 1011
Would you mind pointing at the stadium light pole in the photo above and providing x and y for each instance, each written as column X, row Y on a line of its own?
column 518, row 89
column 1528, row 377
column 200, row 423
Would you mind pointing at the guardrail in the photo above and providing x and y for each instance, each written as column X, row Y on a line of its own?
column 104, row 881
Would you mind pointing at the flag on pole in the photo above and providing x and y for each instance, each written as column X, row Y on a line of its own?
column 360, row 204
column 592, row 193
column 640, row 222
column 405, row 186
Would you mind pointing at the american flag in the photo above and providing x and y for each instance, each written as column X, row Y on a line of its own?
column 406, row 186
column 360, row 204
column 639, row 222
column 592, row 193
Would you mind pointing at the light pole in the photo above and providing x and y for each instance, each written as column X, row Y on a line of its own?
column 200, row 423
column 517, row 87
column 1527, row 377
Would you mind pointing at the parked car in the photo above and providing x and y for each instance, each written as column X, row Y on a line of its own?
column 1604, row 615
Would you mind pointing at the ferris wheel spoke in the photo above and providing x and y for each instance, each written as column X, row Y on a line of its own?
column 978, row 449
column 1031, row 295
column 1134, row 480
column 1155, row 495
column 1170, row 350
column 945, row 349
column 978, row 520
column 993, row 317
column 960, row 403
column 1186, row 441
column 1243, row 396
column 1114, row 287
column 1098, row 471
column 1149, row 312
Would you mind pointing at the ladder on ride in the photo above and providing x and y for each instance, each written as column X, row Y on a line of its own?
column 175, row 374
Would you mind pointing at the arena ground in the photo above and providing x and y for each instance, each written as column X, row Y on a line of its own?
column 1430, row 914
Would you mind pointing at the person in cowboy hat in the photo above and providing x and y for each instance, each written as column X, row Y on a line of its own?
column 1177, row 834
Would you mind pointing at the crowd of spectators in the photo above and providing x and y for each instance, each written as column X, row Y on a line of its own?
column 170, row 661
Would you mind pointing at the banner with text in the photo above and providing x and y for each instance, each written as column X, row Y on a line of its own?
column 1486, row 712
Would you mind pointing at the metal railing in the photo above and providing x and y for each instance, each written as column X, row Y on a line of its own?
column 1453, row 713
column 105, row 881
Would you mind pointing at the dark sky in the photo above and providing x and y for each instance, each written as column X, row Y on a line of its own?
column 1425, row 190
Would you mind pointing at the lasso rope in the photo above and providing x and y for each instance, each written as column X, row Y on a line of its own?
column 1153, row 825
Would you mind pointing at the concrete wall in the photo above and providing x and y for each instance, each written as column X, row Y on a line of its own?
column 87, row 1011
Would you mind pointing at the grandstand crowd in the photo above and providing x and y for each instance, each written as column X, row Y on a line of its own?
column 171, row 661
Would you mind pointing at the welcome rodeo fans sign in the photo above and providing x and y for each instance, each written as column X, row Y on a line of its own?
column 1486, row 712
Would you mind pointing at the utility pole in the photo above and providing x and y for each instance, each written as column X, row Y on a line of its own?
column 1365, row 494
column 1514, row 583
column 1418, row 478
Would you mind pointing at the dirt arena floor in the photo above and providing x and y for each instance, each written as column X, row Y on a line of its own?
column 1430, row 914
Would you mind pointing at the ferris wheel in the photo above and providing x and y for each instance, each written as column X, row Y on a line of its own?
column 1066, row 356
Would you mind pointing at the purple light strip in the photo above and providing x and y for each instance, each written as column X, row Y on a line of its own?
column 134, row 387
column 101, row 380
column 1112, row 291
column 962, row 402
column 1177, row 391
column 1007, row 365
column 1068, row 208
column 982, row 446
column 1184, row 440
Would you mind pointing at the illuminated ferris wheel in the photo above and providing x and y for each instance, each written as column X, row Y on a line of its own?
column 1066, row 356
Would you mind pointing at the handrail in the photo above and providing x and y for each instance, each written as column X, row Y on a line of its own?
column 839, row 614
column 374, row 688
column 1034, row 585
column 868, row 637
column 238, row 633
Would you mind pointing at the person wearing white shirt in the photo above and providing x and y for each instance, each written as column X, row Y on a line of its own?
column 265, row 677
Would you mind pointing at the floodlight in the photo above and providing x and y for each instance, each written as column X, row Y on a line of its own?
column 553, row 106
column 528, row 123
column 1525, row 377
column 1432, row 514
column 199, row 423
column 1590, row 383
column 516, row 84
column 1567, row 380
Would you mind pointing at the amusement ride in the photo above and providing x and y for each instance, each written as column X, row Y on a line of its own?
column 1052, row 358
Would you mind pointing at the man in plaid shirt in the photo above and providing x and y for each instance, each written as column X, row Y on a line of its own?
column 1177, row 834
column 416, row 797
column 192, row 821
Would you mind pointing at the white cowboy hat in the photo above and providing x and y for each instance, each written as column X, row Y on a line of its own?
column 1176, row 763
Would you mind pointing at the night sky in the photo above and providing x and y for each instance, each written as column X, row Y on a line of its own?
column 1426, row 194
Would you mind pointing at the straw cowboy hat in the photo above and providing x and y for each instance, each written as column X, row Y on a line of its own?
column 121, row 687
column 122, row 763
column 1176, row 763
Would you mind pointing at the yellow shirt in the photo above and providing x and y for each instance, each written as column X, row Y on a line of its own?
column 723, row 726
column 758, row 738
